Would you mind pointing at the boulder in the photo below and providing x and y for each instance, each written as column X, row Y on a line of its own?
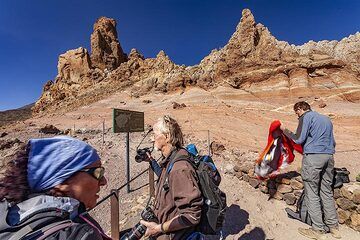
column 296, row 185
column 278, row 196
column 246, row 178
column 3, row 134
column 355, row 221
column 239, row 175
column 8, row 143
column 49, row 129
column 343, row 215
column 345, row 204
column 229, row 169
column 216, row 147
column 73, row 64
column 283, row 188
column 282, row 180
column 243, row 167
column 289, row 198
column 356, row 196
column 176, row 105
column 298, row 178
column 297, row 193
column 337, row 193
column 346, row 192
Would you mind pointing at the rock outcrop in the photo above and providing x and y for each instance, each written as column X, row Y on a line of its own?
column 252, row 60
column 106, row 52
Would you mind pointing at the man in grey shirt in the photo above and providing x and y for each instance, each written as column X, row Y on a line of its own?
column 315, row 134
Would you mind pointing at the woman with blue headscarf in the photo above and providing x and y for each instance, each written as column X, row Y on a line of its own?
column 46, row 190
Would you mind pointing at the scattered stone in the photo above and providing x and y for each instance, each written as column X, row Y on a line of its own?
column 345, row 204
column 356, row 196
column 4, row 144
column 358, row 209
column 237, row 168
column 322, row 105
column 146, row 101
column 278, row 196
column 239, row 175
column 282, row 180
column 289, row 198
column 49, row 129
column 298, row 178
column 176, row 105
column 355, row 221
column 251, row 172
column 346, row 192
column 343, row 215
column 245, row 168
column 337, row 193
column 297, row 193
column 296, row 185
column 254, row 182
column 246, row 178
column 264, row 189
column 3, row 134
column 217, row 148
column 229, row 169
column 283, row 188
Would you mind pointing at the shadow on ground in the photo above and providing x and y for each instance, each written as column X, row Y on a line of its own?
column 255, row 234
column 235, row 220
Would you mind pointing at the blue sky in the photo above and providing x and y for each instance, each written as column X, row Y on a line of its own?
column 34, row 33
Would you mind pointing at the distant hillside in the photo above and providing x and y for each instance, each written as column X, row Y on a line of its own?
column 19, row 114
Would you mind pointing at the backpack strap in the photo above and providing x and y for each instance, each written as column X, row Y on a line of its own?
column 28, row 232
column 53, row 228
column 177, row 157
column 4, row 208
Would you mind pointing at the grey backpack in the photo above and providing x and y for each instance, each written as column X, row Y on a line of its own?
column 38, row 225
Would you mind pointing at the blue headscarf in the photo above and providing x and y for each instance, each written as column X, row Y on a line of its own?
column 53, row 160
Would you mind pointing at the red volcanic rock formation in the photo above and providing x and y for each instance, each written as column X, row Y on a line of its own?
column 252, row 60
column 106, row 52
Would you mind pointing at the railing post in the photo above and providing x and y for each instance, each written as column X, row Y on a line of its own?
column 209, row 144
column 151, row 182
column 115, row 230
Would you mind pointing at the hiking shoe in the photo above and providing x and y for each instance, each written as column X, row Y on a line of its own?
column 335, row 232
column 312, row 233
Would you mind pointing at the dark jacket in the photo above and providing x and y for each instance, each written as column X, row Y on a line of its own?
column 41, row 211
column 178, row 202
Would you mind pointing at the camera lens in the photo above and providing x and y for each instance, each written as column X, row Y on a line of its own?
column 136, row 233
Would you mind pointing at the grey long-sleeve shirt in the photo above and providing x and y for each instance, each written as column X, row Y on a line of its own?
column 314, row 133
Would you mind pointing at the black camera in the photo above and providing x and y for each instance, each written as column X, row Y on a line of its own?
column 141, row 154
column 139, row 230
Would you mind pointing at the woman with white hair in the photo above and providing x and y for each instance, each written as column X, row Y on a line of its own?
column 178, row 199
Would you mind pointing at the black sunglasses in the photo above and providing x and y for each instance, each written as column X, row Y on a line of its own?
column 96, row 172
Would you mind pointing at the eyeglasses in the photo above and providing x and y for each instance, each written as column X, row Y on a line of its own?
column 96, row 172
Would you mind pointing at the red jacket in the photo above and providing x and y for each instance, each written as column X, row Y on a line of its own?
column 284, row 152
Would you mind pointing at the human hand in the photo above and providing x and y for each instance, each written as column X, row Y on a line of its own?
column 148, row 158
column 152, row 228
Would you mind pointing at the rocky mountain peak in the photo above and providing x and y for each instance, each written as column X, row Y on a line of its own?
column 106, row 52
column 252, row 60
